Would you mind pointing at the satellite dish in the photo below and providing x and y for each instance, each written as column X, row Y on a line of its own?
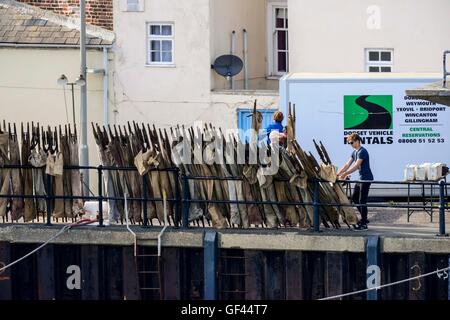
column 228, row 65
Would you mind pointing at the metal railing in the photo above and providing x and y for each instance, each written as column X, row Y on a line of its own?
column 316, row 204
column 182, row 199
column 100, row 197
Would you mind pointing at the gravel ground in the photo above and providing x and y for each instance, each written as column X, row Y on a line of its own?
column 397, row 216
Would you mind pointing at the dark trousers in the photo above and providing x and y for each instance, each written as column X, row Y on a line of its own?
column 360, row 194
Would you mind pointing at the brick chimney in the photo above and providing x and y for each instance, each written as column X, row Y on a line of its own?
column 98, row 12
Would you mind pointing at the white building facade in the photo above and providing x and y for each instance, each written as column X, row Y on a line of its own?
column 368, row 35
column 165, row 48
column 163, row 56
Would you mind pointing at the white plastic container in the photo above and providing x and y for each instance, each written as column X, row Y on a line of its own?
column 410, row 172
column 91, row 211
column 427, row 167
column 421, row 173
column 436, row 171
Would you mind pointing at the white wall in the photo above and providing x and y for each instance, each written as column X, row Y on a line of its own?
column 225, row 102
column 29, row 92
column 229, row 15
column 167, row 96
column 330, row 35
column 163, row 95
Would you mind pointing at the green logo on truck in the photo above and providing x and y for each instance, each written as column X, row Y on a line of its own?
column 367, row 112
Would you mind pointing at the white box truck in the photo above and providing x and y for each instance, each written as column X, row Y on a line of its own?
column 397, row 130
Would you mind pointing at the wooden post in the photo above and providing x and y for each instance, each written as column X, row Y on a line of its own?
column 254, row 282
column 416, row 262
column 90, row 272
column 46, row 273
column 171, row 274
column 317, row 266
column 401, row 272
column 112, row 273
column 294, row 275
column 130, row 276
column 274, row 276
column 334, row 273
column 5, row 276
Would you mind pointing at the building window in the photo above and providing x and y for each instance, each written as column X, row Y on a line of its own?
column 278, row 40
column 245, row 122
column 160, row 44
column 379, row 60
column 132, row 5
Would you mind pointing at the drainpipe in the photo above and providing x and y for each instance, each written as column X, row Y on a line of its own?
column 105, row 86
column 107, row 175
column 233, row 49
column 245, row 55
column 446, row 73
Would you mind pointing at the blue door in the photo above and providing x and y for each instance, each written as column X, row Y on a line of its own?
column 245, row 120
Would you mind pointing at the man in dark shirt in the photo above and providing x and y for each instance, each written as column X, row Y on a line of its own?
column 361, row 162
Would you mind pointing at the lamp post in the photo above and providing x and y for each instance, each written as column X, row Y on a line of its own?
column 63, row 81
column 84, row 149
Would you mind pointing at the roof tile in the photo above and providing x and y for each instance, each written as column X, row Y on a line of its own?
column 58, row 34
column 11, row 39
column 60, row 40
column 34, row 34
column 31, row 28
column 45, row 34
column 72, row 41
column 19, row 27
column 36, row 40
column 95, row 41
